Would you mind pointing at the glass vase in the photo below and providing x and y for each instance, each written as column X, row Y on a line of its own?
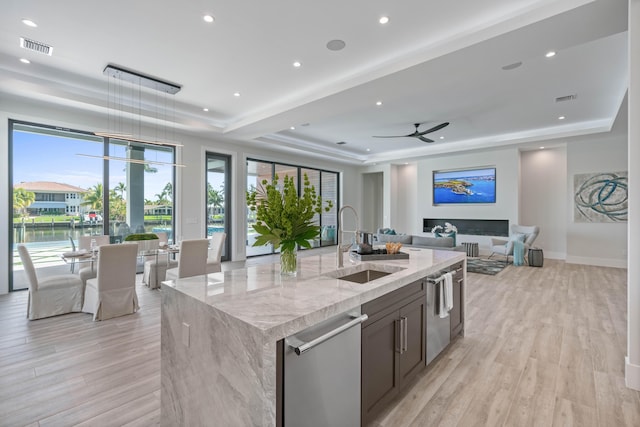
column 288, row 262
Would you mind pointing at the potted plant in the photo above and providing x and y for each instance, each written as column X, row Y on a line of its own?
column 146, row 241
column 285, row 219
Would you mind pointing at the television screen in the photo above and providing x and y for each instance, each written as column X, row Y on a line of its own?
column 464, row 186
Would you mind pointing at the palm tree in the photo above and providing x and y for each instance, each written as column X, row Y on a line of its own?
column 22, row 199
column 93, row 198
column 120, row 189
column 117, row 206
column 168, row 191
column 215, row 198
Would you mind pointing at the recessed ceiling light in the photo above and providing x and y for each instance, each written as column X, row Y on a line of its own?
column 29, row 23
column 442, row 137
column 336, row 45
column 297, row 64
column 292, row 128
column 368, row 149
column 379, row 103
column 383, row 20
column 25, row 61
column 208, row 18
column 236, row 94
column 205, row 109
column 542, row 148
column 550, row 54
column 561, row 118
column 406, row 163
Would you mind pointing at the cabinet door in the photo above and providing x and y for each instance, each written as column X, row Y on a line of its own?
column 380, row 367
column 413, row 334
column 456, row 311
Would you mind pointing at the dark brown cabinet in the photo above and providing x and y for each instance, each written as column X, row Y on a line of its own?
column 393, row 346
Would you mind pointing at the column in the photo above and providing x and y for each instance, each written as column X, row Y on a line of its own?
column 135, row 190
column 632, row 361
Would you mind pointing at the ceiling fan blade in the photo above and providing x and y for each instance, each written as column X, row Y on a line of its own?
column 391, row 136
column 422, row 138
column 435, row 128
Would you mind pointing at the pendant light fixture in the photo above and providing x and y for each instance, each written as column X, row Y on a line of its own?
column 125, row 111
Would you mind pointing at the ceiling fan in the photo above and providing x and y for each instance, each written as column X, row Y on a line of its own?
column 417, row 134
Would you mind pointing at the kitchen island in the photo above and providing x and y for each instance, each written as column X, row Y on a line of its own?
column 219, row 331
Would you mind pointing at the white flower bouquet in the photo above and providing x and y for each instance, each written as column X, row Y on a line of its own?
column 449, row 230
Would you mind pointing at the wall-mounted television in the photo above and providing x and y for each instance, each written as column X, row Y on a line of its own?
column 464, row 186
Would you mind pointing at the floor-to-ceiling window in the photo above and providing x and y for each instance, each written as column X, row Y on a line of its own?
column 325, row 182
column 218, row 198
column 63, row 188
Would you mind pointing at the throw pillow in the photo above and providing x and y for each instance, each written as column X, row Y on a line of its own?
column 390, row 231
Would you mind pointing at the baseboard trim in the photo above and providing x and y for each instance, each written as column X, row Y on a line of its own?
column 599, row 262
column 631, row 374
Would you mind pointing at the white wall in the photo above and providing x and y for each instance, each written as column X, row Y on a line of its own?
column 371, row 216
column 407, row 199
column 506, row 162
column 602, row 244
column 190, row 181
column 543, row 198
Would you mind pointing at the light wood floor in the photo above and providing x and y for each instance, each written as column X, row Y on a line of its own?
column 544, row 346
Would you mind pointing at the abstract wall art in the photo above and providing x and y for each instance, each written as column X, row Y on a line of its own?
column 601, row 197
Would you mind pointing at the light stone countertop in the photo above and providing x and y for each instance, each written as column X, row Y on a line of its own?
column 279, row 306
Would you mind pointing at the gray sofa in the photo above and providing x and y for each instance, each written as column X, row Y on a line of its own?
column 439, row 243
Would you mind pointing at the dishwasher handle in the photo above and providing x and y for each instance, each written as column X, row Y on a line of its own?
column 322, row 338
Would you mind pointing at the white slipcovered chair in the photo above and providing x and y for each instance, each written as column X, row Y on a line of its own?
column 505, row 247
column 113, row 292
column 215, row 252
column 52, row 295
column 193, row 259
column 155, row 270
column 88, row 271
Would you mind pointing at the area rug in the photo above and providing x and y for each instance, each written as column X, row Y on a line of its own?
column 485, row 266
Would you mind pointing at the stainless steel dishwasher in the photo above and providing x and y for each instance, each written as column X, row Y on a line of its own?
column 321, row 385
column 438, row 329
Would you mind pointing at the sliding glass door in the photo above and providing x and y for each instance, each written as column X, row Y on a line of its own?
column 218, row 197
column 140, row 195
column 326, row 184
column 65, row 185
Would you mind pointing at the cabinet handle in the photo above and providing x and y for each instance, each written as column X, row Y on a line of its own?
column 404, row 334
column 398, row 325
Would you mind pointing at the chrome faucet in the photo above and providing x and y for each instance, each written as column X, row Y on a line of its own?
column 345, row 247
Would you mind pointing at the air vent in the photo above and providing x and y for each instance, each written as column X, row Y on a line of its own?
column 566, row 98
column 36, row 46
column 341, row 142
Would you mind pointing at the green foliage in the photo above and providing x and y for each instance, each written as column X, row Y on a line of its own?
column 22, row 199
column 282, row 218
column 140, row 236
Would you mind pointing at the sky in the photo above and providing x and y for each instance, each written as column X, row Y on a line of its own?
column 40, row 157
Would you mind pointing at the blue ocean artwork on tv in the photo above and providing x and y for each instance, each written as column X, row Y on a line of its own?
column 464, row 186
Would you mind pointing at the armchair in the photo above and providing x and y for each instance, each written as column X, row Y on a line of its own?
column 505, row 247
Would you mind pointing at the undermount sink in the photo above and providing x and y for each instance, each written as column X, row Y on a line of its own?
column 364, row 276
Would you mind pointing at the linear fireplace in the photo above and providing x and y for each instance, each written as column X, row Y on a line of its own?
column 476, row 227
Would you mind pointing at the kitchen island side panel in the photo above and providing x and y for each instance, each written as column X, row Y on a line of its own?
column 225, row 376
